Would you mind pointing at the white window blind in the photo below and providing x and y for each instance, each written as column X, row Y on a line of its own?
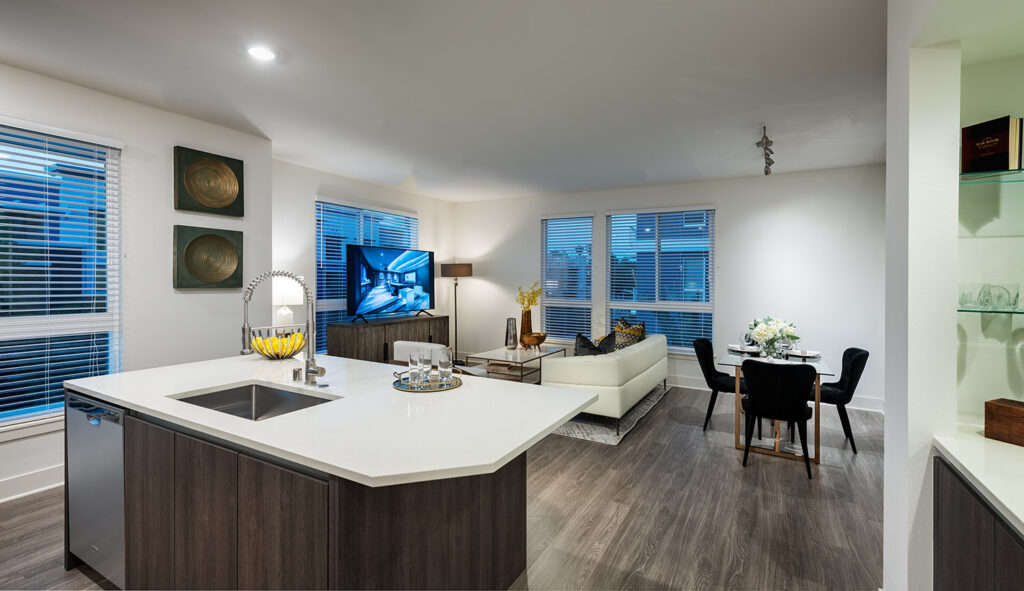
column 566, row 276
column 336, row 226
column 661, row 271
column 60, row 271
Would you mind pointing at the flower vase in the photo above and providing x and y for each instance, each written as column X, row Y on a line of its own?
column 525, row 326
column 769, row 350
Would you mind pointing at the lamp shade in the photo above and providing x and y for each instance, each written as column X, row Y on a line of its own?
column 287, row 292
column 456, row 269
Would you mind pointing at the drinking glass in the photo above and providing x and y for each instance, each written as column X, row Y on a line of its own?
column 426, row 364
column 414, row 367
column 444, row 366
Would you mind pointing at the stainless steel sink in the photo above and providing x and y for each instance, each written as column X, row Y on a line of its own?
column 255, row 401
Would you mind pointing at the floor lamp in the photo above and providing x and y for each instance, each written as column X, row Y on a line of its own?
column 456, row 270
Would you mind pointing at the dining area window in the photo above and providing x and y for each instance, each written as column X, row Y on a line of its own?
column 661, row 272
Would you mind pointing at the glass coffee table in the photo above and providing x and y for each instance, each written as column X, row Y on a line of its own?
column 511, row 364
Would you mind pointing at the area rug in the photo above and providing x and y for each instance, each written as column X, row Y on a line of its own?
column 602, row 429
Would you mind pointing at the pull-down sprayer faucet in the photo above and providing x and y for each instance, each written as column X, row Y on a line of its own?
column 312, row 370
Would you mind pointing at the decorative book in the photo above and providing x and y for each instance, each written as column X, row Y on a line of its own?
column 991, row 146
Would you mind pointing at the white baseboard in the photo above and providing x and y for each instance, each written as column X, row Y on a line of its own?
column 867, row 403
column 25, row 484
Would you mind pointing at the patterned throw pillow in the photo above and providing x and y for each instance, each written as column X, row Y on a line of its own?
column 627, row 334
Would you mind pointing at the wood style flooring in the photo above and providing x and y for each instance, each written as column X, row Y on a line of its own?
column 669, row 508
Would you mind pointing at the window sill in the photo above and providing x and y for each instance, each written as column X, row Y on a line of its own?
column 31, row 428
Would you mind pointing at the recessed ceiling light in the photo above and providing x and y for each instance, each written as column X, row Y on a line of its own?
column 262, row 53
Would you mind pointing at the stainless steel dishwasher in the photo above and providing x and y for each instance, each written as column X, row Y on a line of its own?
column 95, row 440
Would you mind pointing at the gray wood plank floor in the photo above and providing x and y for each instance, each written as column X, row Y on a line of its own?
column 669, row 508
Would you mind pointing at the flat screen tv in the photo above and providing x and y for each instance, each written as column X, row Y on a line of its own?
column 388, row 280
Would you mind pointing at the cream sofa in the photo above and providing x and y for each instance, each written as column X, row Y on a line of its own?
column 620, row 379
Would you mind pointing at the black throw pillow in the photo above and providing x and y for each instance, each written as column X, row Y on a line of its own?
column 585, row 346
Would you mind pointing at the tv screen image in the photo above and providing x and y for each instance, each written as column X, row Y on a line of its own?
column 389, row 280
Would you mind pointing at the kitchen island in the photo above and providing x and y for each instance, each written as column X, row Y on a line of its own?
column 369, row 488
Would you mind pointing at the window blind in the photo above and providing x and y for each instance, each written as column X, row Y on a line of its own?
column 567, row 275
column 60, row 271
column 661, row 271
column 336, row 226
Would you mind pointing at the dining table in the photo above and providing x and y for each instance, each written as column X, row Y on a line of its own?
column 735, row 358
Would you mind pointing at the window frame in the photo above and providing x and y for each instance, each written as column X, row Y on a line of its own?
column 562, row 302
column 658, row 304
column 341, row 304
column 81, row 324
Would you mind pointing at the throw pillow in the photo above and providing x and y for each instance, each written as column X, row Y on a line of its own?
column 627, row 334
column 585, row 346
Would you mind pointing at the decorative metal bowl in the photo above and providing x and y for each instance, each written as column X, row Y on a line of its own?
column 533, row 339
column 278, row 342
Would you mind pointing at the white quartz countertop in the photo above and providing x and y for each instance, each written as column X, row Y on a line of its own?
column 995, row 468
column 369, row 433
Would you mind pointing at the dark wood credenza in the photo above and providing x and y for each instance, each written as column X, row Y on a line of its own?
column 374, row 340
column 974, row 546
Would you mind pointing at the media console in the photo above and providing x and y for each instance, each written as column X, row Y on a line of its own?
column 374, row 340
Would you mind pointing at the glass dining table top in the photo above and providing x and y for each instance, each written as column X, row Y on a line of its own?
column 735, row 359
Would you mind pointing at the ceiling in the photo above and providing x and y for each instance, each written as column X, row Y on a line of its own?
column 476, row 99
column 987, row 30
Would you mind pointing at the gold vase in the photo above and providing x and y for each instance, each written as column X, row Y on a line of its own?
column 525, row 325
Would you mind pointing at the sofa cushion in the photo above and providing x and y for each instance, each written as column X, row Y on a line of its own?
column 627, row 334
column 585, row 346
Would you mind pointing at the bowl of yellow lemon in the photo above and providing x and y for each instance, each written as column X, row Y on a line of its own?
column 277, row 342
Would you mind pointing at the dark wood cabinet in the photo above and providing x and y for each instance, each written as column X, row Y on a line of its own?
column 282, row 528
column 457, row 533
column 202, row 516
column 205, row 515
column 148, row 505
column 373, row 341
column 973, row 546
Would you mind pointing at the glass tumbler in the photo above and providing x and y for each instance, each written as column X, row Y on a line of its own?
column 444, row 365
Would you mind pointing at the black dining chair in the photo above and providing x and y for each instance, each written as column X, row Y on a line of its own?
column 840, row 393
column 717, row 381
column 778, row 392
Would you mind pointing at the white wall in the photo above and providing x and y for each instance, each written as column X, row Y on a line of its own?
column 833, row 290
column 295, row 189
column 161, row 325
column 991, row 218
column 922, row 154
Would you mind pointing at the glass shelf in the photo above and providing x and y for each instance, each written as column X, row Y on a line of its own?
column 970, row 311
column 991, row 177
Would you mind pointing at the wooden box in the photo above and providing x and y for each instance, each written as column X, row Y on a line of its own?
column 1004, row 420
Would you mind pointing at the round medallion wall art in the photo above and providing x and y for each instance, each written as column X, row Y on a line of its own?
column 212, row 184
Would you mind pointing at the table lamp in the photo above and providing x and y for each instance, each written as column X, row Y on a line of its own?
column 456, row 270
column 286, row 293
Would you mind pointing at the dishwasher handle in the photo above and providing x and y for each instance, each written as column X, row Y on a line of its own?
column 95, row 411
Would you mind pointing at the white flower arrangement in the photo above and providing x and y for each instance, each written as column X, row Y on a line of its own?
column 768, row 332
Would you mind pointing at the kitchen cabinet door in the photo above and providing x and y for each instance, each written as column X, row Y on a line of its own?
column 149, row 505
column 205, row 515
column 1009, row 559
column 282, row 527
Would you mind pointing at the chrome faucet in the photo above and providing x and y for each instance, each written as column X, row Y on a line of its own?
column 312, row 370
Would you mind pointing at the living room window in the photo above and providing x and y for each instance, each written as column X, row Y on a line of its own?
column 60, row 271
column 337, row 225
column 566, row 275
column 661, row 271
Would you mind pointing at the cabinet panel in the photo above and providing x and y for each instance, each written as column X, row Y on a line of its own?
column 149, row 505
column 282, row 529
column 1009, row 560
column 205, row 515
column 963, row 534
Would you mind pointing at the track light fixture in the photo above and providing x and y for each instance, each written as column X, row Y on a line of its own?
column 766, row 145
